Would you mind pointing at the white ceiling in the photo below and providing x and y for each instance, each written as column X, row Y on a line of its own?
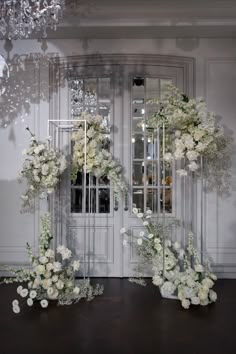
column 147, row 19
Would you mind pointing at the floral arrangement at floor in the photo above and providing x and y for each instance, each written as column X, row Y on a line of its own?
column 42, row 168
column 99, row 160
column 196, row 134
column 176, row 271
column 52, row 276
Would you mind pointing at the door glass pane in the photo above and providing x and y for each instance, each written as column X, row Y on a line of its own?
column 138, row 173
column 138, row 146
column 147, row 148
column 138, row 198
column 92, row 95
column 104, row 200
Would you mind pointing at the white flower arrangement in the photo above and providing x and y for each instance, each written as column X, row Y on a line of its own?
column 181, row 274
column 99, row 161
column 42, row 168
column 52, row 276
column 196, row 135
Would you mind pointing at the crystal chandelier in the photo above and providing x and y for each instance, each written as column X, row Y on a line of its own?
column 20, row 18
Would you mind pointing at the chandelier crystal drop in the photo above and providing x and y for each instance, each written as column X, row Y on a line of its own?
column 21, row 18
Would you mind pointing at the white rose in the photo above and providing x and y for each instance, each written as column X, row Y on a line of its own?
column 208, row 283
column 135, row 210
column 122, row 231
column 157, row 280
column 30, row 284
column 140, row 215
column 60, row 285
column 203, row 295
column 43, row 260
column 15, row 303
column 37, row 150
column 195, row 300
column 178, row 154
column 158, row 247
column 150, row 236
column 54, row 278
column 204, row 302
column 16, row 309
column 45, row 169
column 30, row 302
column 145, row 223
column 192, row 155
column 149, row 212
column 54, row 295
column 33, row 294
column 44, row 303
column 199, row 268
column 24, row 292
column 50, row 253
column 212, row 295
column 50, row 291
column 47, row 275
column 139, row 241
column 185, row 304
column 19, row 289
column 198, row 134
column 49, row 267
column 141, row 234
column 37, row 282
column 57, row 266
column 46, row 283
column 40, row 269
column 76, row 290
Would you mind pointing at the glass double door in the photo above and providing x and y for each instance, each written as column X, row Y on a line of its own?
column 123, row 95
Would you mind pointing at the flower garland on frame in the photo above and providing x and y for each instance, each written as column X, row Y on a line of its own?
column 42, row 168
column 52, row 276
column 197, row 135
column 99, row 160
column 184, row 276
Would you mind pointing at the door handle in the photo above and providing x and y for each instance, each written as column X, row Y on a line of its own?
column 116, row 204
column 126, row 208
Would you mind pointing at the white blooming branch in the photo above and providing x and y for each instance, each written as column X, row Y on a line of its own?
column 183, row 275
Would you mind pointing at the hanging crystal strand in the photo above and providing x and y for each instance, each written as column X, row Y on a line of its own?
column 89, row 228
column 84, row 193
column 163, row 199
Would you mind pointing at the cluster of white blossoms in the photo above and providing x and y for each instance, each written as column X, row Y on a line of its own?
column 196, row 135
column 42, row 168
column 52, row 276
column 99, row 160
column 176, row 271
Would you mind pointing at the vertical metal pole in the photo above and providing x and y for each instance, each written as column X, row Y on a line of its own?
column 84, row 193
column 163, row 197
column 201, row 214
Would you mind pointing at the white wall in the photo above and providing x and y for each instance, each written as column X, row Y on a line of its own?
column 215, row 81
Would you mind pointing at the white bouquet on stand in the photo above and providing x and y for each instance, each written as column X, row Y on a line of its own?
column 52, row 276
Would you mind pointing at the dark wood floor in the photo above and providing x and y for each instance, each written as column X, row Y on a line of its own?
column 127, row 319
